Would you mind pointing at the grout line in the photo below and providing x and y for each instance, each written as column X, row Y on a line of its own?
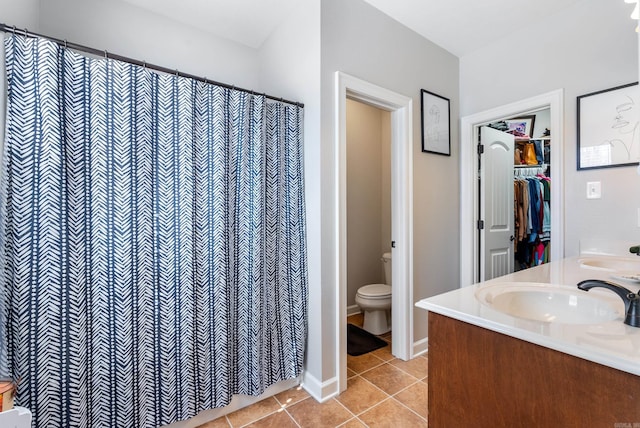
column 353, row 415
column 406, row 372
column 387, row 396
column 409, row 408
column 404, row 389
column 291, row 416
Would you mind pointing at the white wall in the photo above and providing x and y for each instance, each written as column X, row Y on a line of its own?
column 363, row 42
column 587, row 47
column 366, row 155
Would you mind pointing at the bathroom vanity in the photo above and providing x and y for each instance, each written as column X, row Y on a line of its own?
column 530, row 349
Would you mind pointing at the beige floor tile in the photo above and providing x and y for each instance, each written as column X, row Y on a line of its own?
column 389, row 378
column 384, row 353
column 310, row 413
column 357, row 319
column 392, row 414
column 279, row 419
column 362, row 363
column 415, row 398
column 360, row 395
column 351, row 373
column 254, row 412
column 220, row 422
column 416, row 367
column 292, row 396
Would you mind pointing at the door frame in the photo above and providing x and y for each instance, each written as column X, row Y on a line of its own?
column 401, row 108
column 469, row 193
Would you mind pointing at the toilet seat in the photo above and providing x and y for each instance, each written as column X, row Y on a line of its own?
column 375, row 291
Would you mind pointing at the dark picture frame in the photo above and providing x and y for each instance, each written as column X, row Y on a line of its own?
column 608, row 128
column 523, row 124
column 436, row 130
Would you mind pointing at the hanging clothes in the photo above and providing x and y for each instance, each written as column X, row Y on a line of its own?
column 532, row 230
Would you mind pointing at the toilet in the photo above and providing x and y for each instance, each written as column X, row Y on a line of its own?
column 375, row 302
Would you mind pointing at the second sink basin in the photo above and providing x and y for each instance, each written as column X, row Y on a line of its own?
column 611, row 264
column 549, row 303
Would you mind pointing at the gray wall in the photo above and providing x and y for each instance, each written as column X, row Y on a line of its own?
column 361, row 41
column 23, row 15
column 587, row 47
column 368, row 195
column 290, row 62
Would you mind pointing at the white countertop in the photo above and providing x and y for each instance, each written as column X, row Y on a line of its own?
column 610, row 343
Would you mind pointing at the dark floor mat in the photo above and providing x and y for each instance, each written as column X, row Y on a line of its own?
column 360, row 341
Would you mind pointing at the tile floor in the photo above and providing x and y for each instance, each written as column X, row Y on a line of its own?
column 382, row 391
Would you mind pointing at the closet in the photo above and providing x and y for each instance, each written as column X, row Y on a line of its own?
column 532, row 200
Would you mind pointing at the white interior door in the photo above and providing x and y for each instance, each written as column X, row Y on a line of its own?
column 496, row 203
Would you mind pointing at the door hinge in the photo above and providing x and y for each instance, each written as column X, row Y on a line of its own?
column 480, row 149
column 480, row 224
column 393, row 244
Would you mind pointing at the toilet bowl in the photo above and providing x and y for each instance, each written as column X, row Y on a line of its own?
column 375, row 302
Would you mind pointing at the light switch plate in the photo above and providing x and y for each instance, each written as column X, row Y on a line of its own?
column 594, row 190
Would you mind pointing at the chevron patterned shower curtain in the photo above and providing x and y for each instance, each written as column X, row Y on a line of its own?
column 153, row 240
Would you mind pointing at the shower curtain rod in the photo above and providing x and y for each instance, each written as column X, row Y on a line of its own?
column 12, row 29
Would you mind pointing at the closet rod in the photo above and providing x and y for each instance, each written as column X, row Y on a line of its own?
column 12, row 29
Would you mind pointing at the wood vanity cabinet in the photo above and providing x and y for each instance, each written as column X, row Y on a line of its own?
column 480, row 378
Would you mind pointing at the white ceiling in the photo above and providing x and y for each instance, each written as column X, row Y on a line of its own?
column 245, row 21
column 460, row 26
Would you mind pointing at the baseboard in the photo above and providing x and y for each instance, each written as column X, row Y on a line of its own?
column 420, row 347
column 237, row 402
column 320, row 391
column 353, row 309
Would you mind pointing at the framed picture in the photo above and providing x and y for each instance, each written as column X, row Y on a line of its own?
column 609, row 127
column 436, row 137
column 521, row 126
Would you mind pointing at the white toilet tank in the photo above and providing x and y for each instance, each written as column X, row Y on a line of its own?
column 386, row 260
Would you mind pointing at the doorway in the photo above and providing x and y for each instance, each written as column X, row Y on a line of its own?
column 401, row 108
column 368, row 197
column 471, row 195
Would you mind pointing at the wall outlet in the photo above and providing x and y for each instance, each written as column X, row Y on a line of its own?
column 594, row 190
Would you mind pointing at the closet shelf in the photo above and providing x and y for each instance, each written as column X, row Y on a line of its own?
column 540, row 165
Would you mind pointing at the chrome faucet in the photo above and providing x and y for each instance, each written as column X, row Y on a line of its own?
column 631, row 300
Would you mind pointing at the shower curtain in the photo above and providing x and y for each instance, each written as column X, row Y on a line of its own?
column 153, row 240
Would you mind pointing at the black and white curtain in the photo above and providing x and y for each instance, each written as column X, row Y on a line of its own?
column 153, row 240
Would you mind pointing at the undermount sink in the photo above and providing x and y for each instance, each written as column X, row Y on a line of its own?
column 611, row 264
column 549, row 303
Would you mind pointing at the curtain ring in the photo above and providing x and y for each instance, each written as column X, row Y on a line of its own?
column 106, row 56
column 144, row 65
column 65, row 43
